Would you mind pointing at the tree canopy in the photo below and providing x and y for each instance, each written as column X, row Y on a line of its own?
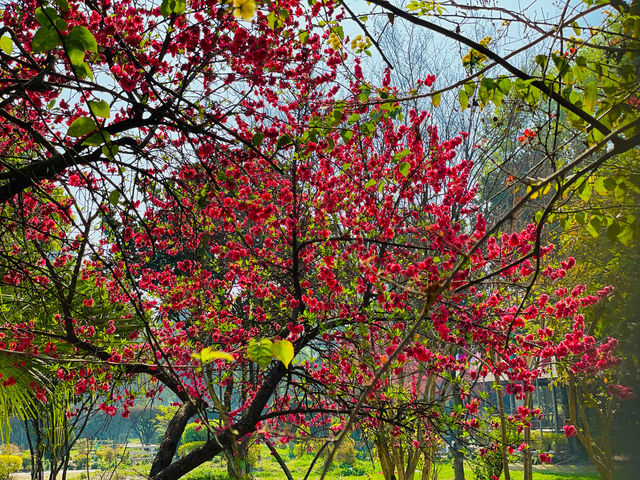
column 221, row 200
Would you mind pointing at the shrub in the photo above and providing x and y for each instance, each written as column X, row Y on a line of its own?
column 550, row 441
column 488, row 466
column 256, row 452
column 194, row 432
column 107, row 455
column 187, row 448
column 8, row 465
column 26, row 460
column 346, row 454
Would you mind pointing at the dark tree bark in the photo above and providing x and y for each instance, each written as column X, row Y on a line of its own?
column 174, row 431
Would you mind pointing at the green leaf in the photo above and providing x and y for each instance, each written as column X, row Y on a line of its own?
column 585, row 191
column 303, row 36
column 61, row 24
column 463, row 98
column 179, row 7
column 372, row 182
column 541, row 60
column 590, row 95
column 6, row 44
column 346, row 135
column 599, row 187
column 435, row 100
column 401, row 154
column 283, row 351
column 613, row 231
column 75, row 52
column 114, row 198
column 625, row 236
column 594, row 226
column 84, row 37
column 538, row 216
column 81, row 126
column 257, row 139
column 504, row 85
column 62, row 4
column 260, row 351
column 353, row 118
column 83, row 71
column 99, row 108
column 167, row 7
column 165, row 10
column 46, row 17
column 576, row 28
column 45, row 39
column 610, row 183
column 469, row 87
column 97, row 139
column 110, row 151
column 404, row 168
column 284, row 140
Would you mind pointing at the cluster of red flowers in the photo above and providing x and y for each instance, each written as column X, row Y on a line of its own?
column 527, row 136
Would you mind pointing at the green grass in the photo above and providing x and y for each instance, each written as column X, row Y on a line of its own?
column 268, row 469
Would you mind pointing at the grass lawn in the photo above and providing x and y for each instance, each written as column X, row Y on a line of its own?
column 268, row 469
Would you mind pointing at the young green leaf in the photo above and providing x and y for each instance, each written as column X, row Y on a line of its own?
column 45, row 39
column 463, row 98
column 260, row 351
column 82, row 36
column 404, row 168
column 6, row 44
column 99, row 108
column 371, row 183
column 435, row 100
column 81, row 126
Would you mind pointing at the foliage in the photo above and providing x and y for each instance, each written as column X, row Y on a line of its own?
column 488, row 467
column 188, row 447
column 195, row 432
column 8, row 465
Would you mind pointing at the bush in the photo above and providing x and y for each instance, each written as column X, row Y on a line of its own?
column 26, row 460
column 187, row 448
column 256, row 452
column 488, row 466
column 107, row 456
column 8, row 465
column 550, row 441
column 194, row 432
column 346, row 454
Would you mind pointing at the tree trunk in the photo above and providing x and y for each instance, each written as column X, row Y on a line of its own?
column 279, row 459
column 386, row 462
column 503, row 433
column 172, row 435
column 527, row 461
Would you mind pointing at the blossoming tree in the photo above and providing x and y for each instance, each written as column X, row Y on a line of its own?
column 211, row 198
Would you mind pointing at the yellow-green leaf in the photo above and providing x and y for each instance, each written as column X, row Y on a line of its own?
column 260, row 351
column 99, row 108
column 435, row 100
column 207, row 355
column 6, row 44
column 81, row 126
column 283, row 351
